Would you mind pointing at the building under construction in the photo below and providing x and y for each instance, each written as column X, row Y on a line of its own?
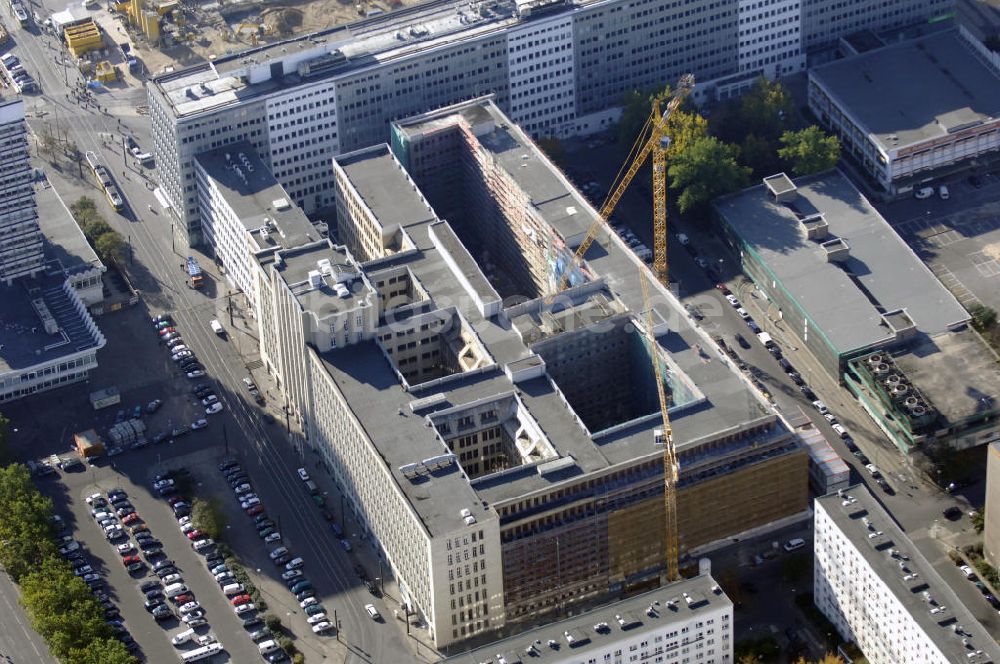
column 497, row 443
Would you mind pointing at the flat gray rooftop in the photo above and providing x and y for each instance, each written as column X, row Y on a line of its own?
column 876, row 551
column 382, row 406
column 670, row 605
column 835, row 296
column 23, row 339
column 256, row 197
column 956, row 372
column 296, row 264
column 65, row 244
column 917, row 90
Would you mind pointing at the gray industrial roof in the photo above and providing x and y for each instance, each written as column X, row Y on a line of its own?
column 655, row 610
column 65, row 243
column 840, row 298
column 23, row 339
column 296, row 264
column 915, row 90
column 956, row 372
column 256, row 197
column 383, row 406
column 849, row 519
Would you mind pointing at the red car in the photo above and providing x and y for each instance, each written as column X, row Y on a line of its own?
column 195, row 534
column 128, row 560
column 255, row 510
column 167, row 330
column 241, row 599
column 130, row 519
column 723, row 288
column 183, row 599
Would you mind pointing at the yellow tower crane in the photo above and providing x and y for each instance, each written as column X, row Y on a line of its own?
column 652, row 140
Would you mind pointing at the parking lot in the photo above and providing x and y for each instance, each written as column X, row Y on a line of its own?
column 958, row 238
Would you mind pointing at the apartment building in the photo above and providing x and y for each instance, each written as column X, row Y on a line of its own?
column 880, row 592
column 21, row 252
column 686, row 622
column 497, row 486
column 556, row 67
column 991, row 527
column 914, row 111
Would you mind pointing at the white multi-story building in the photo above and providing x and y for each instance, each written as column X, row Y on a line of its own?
column 557, row 67
column 21, row 251
column 881, row 593
column 913, row 111
column 686, row 622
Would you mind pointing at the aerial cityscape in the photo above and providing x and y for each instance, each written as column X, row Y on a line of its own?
column 503, row 331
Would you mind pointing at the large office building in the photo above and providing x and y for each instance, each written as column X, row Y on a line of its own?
column 834, row 274
column 991, row 524
column 556, row 67
column 881, row 593
column 686, row 622
column 49, row 275
column 500, row 447
column 913, row 111
column 21, row 252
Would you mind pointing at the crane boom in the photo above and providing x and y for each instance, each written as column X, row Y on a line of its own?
column 670, row 467
column 654, row 144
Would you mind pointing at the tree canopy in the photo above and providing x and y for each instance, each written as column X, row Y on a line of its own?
column 706, row 170
column 25, row 529
column 809, row 150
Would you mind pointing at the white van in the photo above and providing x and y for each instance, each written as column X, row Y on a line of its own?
column 267, row 647
column 217, row 327
column 794, row 544
column 232, row 589
column 182, row 638
column 175, row 590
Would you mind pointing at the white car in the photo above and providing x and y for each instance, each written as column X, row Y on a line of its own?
column 194, row 622
column 214, row 408
column 243, row 488
column 188, row 527
column 943, row 192
column 839, row 429
column 820, row 406
column 199, row 424
column 924, row 192
column 273, row 537
column 303, row 475
column 177, row 357
column 295, row 563
column 830, row 417
column 322, row 627
column 744, row 314
column 91, row 577
column 245, row 608
column 191, row 618
column 250, row 502
column 94, row 496
column 197, row 373
column 372, row 611
column 171, row 579
column 291, row 574
column 277, row 553
column 967, row 571
column 316, row 618
column 308, row 601
column 873, row 470
column 163, row 483
column 184, row 520
column 209, row 400
column 125, row 548
column 731, row 299
column 189, row 607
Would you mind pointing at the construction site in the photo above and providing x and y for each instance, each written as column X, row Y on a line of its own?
column 173, row 33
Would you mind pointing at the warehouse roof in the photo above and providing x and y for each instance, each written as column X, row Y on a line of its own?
column 849, row 300
column 914, row 91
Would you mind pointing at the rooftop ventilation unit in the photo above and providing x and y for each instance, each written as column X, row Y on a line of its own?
column 280, row 204
column 438, row 462
column 315, row 278
column 469, row 520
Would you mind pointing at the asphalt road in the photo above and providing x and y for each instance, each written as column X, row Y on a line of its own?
column 19, row 642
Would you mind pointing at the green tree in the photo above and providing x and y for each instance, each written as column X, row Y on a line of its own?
column 110, row 247
column 765, row 109
column 209, row 516
column 809, row 150
column 706, row 170
column 684, row 128
column 83, row 206
column 979, row 520
column 61, row 607
column 5, row 454
column 75, row 155
column 983, row 317
column 273, row 623
column 47, row 141
column 759, row 155
column 102, row 651
column 25, row 529
column 96, row 228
